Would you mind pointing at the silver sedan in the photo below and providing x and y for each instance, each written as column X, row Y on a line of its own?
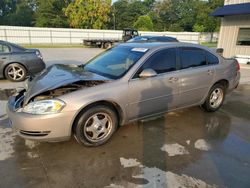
column 126, row 83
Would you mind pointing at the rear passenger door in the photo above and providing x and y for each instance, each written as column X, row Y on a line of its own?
column 196, row 75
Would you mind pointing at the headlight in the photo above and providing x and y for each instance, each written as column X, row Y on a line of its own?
column 44, row 107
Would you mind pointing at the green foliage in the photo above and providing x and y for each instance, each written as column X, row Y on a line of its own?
column 23, row 15
column 166, row 15
column 50, row 13
column 199, row 28
column 158, row 23
column 18, row 12
column 210, row 24
column 89, row 14
column 126, row 12
column 144, row 23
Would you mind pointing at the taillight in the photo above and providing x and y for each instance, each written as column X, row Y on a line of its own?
column 39, row 55
column 237, row 65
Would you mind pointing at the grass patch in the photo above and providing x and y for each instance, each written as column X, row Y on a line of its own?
column 209, row 44
column 53, row 46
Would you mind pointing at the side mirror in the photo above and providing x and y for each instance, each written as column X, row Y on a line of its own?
column 147, row 73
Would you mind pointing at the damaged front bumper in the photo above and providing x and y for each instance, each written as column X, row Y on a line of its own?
column 49, row 127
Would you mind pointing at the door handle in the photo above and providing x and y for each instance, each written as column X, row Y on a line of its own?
column 210, row 72
column 4, row 58
column 173, row 79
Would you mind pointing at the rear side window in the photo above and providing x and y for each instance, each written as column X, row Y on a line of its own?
column 192, row 57
column 212, row 59
column 4, row 48
column 162, row 61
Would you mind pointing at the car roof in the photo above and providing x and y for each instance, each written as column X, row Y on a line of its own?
column 156, row 45
column 151, row 37
column 14, row 46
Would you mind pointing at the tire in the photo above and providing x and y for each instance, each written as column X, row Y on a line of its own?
column 15, row 72
column 95, row 126
column 107, row 45
column 215, row 98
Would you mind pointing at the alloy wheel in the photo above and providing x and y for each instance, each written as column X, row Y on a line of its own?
column 216, row 98
column 16, row 72
column 98, row 127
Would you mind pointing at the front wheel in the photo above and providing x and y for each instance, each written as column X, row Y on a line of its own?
column 96, row 125
column 215, row 98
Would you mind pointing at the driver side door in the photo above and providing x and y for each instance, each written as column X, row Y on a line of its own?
column 153, row 95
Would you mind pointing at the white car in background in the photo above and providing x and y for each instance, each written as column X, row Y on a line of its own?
column 243, row 59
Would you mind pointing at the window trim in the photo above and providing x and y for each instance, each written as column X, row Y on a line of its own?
column 7, row 47
column 153, row 53
column 238, row 32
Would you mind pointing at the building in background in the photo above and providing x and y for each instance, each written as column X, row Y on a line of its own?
column 234, row 35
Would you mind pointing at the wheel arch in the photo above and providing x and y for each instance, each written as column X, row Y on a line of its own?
column 117, row 108
column 224, row 82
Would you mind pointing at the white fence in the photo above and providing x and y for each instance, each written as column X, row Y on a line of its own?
column 37, row 35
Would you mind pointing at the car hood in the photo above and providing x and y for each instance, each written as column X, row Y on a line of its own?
column 56, row 76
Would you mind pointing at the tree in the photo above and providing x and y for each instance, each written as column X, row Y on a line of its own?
column 89, row 14
column 204, row 22
column 22, row 16
column 161, row 11
column 210, row 24
column 199, row 27
column 156, row 19
column 6, row 7
column 18, row 12
column 126, row 12
column 170, row 15
column 144, row 23
column 50, row 13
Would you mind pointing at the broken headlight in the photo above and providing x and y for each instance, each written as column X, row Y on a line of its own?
column 44, row 107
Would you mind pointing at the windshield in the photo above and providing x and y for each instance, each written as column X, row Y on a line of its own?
column 115, row 62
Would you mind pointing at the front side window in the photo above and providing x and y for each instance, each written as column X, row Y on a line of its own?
column 243, row 37
column 4, row 48
column 115, row 62
column 192, row 57
column 161, row 62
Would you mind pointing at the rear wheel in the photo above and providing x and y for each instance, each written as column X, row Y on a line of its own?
column 15, row 72
column 215, row 98
column 95, row 126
